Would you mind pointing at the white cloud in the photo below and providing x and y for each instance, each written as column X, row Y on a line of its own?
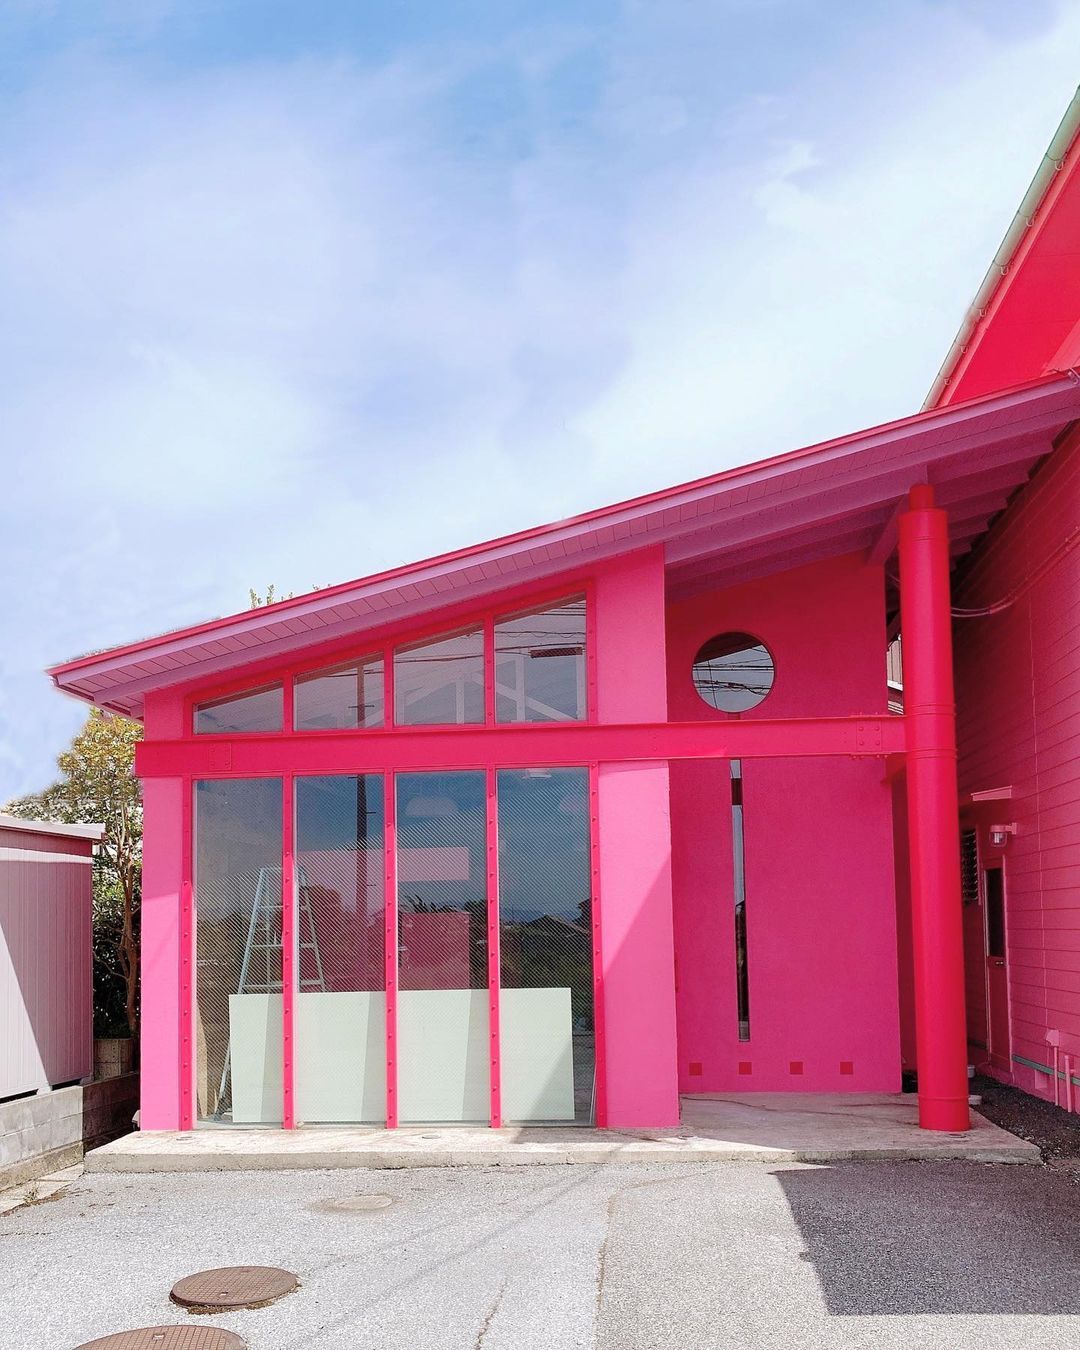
column 294, row 322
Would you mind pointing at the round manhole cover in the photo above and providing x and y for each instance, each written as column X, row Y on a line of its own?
column 168, row 1338
column 233, row 1287
column 353, row 1204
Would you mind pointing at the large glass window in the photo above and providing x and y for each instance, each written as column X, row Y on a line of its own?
column 440, row 682
column 238, row 1055
column 442, row 947
column 340, row 698
column 340, row 1011
column 253, row 710
column 540, row 664
column 545, row 937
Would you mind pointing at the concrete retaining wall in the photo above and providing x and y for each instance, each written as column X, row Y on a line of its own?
column 52, row 1129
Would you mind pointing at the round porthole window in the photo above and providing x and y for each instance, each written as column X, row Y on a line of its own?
column 733, row 672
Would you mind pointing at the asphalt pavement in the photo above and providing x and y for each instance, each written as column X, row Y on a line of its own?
column 698, row 1256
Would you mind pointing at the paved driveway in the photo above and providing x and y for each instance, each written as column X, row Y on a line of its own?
column 619, row 1258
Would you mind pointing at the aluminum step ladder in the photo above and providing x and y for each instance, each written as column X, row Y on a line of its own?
column 265, row 909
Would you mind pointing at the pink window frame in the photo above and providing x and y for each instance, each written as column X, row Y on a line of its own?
column 382, row 643
column 389, row 641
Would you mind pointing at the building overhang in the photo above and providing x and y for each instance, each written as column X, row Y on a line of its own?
column 840, row 497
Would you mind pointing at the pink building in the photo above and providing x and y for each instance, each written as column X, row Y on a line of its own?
column 562, row 826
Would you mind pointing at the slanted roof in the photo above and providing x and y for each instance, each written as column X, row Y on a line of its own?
column 838, row 497
column 1023, row 322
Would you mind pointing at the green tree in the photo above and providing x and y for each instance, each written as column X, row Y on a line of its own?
column 97, row 785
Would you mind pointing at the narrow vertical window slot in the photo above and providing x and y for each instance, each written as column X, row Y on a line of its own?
column 742, row 972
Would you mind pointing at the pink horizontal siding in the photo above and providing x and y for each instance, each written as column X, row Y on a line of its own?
column 1018, row 700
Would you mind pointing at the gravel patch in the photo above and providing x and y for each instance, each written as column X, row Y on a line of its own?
column 1054, row 1130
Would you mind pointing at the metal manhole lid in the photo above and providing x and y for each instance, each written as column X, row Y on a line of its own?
column 168, row 1338
column 353, row 1204
column 233, row 1287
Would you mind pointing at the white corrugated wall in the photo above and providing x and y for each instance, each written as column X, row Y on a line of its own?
column 46, row 995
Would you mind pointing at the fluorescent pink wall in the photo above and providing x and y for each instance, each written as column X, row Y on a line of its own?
column 1018, row 701
column 821, row 918
column 635, row 852
column 162, row 870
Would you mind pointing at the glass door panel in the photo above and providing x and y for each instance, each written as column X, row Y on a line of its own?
column 442, row 1057
column 340, row 1012
column 238, row 1042
column 545, row 946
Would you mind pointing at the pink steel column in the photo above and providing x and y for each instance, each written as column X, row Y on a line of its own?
column 494, row 973
column 933, row 810
column 599, row 1036
column 390, row 943
column 288, row 954
column 187, row 961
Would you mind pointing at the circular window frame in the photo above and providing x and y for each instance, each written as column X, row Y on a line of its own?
column 751, row 642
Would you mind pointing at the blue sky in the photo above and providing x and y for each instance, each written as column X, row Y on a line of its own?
column 292, row 293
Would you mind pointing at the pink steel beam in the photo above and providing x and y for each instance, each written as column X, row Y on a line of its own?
column 518, row 746
column 933, row 815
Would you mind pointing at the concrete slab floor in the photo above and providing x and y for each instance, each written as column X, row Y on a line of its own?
column 762, row 1127
column 703, row 1256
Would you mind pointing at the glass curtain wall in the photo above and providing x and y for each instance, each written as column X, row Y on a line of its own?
column 442, row 1008
column 339, row 1069
column 545, row 946
column 237, row 873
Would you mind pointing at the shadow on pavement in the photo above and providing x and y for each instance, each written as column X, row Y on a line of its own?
column 939, row 1238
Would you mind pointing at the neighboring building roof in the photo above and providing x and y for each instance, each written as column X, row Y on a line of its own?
column 51, row 827
column 1025, row 319
column 830, row 499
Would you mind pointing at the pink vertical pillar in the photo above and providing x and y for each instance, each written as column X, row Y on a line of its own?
column 166, row 967
column 634, row 845
column 933, row 815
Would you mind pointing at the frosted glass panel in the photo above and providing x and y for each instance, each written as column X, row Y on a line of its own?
column 255, row 1032
column 340, row 1058
column 442, row 947
column 545, row 937
column 443, row 1055
column 340, row 1072
column 537, row 1043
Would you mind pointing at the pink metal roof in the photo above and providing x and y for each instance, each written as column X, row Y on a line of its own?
column 838, row 497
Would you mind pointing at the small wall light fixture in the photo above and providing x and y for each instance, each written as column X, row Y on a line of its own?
column 999, row 834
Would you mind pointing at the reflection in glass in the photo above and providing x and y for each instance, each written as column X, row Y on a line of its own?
column 545, row 937
column 442, row 947
column 254, row 710
column 340, row 1067
column 238, row 950
column 440, row 682
column 733, row 672
column 341, row 698
column 540, row 665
